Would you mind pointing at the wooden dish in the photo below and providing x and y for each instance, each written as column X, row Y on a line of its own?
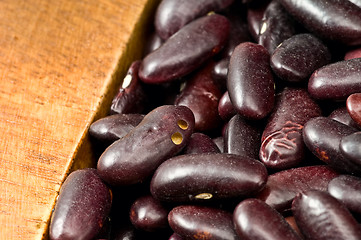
column 61, row 63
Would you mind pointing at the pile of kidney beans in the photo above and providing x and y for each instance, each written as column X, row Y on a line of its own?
column 241, row 122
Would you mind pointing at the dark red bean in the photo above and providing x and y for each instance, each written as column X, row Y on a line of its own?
column 336, row 81
column 250, row 82
column 134, row 157
column 83, row 198
column 201, row 94
column 254, row 219
column 353, row 105
column 347, row 189
column 153, row 43
column 199, row 222
column 200, row 177
column 148, row 214
column 332, row 19
column 350, row 147
column 341, row 115
column 219, row 141
column 177, row 56
column 220, row 71
column 175, row 236
column 288, row 60
column 322, row 136
column 131, row 97
column 242, row 137
column 172, row 15
column 201, row 143
column 283, row 186
column 225, row 107
column 113, row 127
column 275, row 27
column 321, row 216
column 355, row 53
column 254, row 17
column 282, row 144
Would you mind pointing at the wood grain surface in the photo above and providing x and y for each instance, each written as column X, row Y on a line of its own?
column 60, row 65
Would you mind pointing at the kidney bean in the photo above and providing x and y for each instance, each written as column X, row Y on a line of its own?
column 254, row 219
column 275, row 27
column 353, row 107
column 288, row 60
column 254, row 17
column 201, row 143
column 220, row 71
column 347, row 189
column 134, row 157
column 225, row 107
column 83, row 198
column 336, row 81
column 148, row 214
column 282, row 144
column 175, row 236
column 201, row 177
column 153, row 43
column 177, row 56
column 131, row 97
column 341, row 115
column 172, row 15
column 242, row 137
column 321, row 216
column 201, row 95
column 322, row 136
column 114, row 127
column 250, row 82
column 350, row 147
column 354, row 53
column 199, row 222
column 335, row 20
column 282, row 187
column 219, row 141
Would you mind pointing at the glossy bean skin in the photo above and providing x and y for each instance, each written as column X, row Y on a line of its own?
column 114, row 127
column 172, row 15
column 336, row 81
column 225, row 107
column 220, row 71
column 283, row 186
column 175, row 236
column 200, row 222
column 153, row 43
column 133, row 158
column 254, row 17
column 83, row 198
column 337, row 20
column 205, row 177
column 347, row 189
column 355, row 53
column 219, row 141
column 148, row 214
column 288, row 61
column 242, row 137
column 254, row 219
column 201, row 143
column 350, row 147
column 201, row 94
column 322, row 136
column 250, row 82
column 321, row 216
column 353, row 107
column 341, row 115
column 282, row 143
column 275, row 27
column 131, row 97
column 177, row 56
